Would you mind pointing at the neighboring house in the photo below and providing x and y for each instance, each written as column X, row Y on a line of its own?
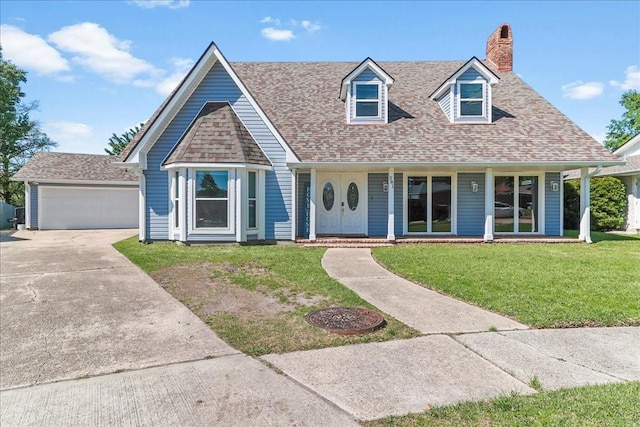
column 630, row 175
column 78, row 191
column 277, row 151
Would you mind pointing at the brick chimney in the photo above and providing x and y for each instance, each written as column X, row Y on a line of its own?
column 500, row 48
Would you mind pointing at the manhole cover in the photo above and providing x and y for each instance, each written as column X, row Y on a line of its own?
column 346, row 320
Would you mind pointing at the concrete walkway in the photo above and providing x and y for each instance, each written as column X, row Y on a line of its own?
column 454, row 362
column 427, row 311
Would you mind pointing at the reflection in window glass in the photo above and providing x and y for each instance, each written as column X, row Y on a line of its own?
column 353, row 196
column 212, row 201
column 471, row 99
column 528, row 204
column 417, row 204
column 504, row 205
column 253, row 221
column 367, row 100
column 328, row 196
column 441, row 204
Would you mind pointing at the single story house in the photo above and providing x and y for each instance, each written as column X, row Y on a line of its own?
column 78, row 191
column 280, row 151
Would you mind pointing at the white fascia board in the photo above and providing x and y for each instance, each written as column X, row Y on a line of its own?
column 290, row 155
column 474, row 62
column 177, row 102
column 629, row 148
column 216, row 166
column 367, row 63
column 79, row 182
column 555, row 166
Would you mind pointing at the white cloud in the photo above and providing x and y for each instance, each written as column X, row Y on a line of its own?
column 168, row 84
column 581, row 90
column 632, row 80
column 171, row 4
column 71, row 136
column 310, row 26
column 101, row 52
column 278, row 31
column 270, row 20
column 30, row 51
column 277, row 35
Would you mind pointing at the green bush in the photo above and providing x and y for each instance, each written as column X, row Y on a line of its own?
column 608, row 204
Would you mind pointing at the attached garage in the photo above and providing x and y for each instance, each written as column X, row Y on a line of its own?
column 78, row 191
column 66, row 208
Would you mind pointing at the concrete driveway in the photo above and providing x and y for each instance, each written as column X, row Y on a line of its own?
column 88, row 338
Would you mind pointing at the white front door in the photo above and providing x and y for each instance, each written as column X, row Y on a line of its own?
column 341, row 205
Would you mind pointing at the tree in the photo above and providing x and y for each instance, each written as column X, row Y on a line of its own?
column 20, row 137
column 621, row 131
column 117, row 143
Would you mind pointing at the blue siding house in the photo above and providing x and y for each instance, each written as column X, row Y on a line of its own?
column 280, row 151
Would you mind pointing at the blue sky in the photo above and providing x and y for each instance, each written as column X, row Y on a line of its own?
column 99, row 67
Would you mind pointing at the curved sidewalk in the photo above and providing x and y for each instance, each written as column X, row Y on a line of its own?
column 427, row 311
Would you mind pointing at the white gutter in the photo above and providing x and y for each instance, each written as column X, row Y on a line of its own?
column 466, row 165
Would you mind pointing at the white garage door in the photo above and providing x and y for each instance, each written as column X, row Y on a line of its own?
column 74, row 208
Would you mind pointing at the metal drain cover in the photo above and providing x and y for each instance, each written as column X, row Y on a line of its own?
column 346, row 320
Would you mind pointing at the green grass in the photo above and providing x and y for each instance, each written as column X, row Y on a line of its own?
column 280, row 272
column 542, row 285
column 606, row 405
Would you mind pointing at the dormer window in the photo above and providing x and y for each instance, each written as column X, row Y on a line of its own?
column 471, row 99
column 367, row 98
column 465, row 97
column 365, row 92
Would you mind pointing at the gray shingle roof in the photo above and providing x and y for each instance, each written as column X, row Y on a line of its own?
column 631, row 168
column 46, row 166
column 217, row 136
column 301, row 99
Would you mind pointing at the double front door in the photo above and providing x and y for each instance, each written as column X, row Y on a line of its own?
column 341, row 200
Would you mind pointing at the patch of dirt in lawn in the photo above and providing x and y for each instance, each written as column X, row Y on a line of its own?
column 206, row 291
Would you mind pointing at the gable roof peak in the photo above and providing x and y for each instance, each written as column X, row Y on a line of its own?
column 367, row 63
column 474, row 63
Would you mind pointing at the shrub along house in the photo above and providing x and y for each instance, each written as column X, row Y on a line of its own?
column 276, row 151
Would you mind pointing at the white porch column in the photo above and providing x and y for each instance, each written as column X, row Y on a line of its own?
column 142, row 208
column 182, row 204
column 489, row 204
column 262, row 202
column 241, row 183
column 27, row 205
column 585, row 205
column 391, row 206
column 294, row 204
column 312, row 207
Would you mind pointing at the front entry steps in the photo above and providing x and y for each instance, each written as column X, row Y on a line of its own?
column 373, row 242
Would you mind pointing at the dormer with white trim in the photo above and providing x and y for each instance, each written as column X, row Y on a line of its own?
column 365, row 92
column 465, row 97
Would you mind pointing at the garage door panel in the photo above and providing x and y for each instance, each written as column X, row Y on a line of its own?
column 84, row 208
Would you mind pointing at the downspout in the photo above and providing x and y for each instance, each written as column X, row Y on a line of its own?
column 585, row 204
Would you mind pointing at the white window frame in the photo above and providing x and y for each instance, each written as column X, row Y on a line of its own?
column 256, row 199
column 378, row 100
column 231, row 182
column 483, row 99
column 516, row 206
column 454, row 203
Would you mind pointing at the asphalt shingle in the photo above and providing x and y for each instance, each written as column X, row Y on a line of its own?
column 217, row 136
column 73, row 167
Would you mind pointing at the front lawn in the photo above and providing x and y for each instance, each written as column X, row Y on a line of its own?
column 605, row 405
column 542, row 285
column 255, row 297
